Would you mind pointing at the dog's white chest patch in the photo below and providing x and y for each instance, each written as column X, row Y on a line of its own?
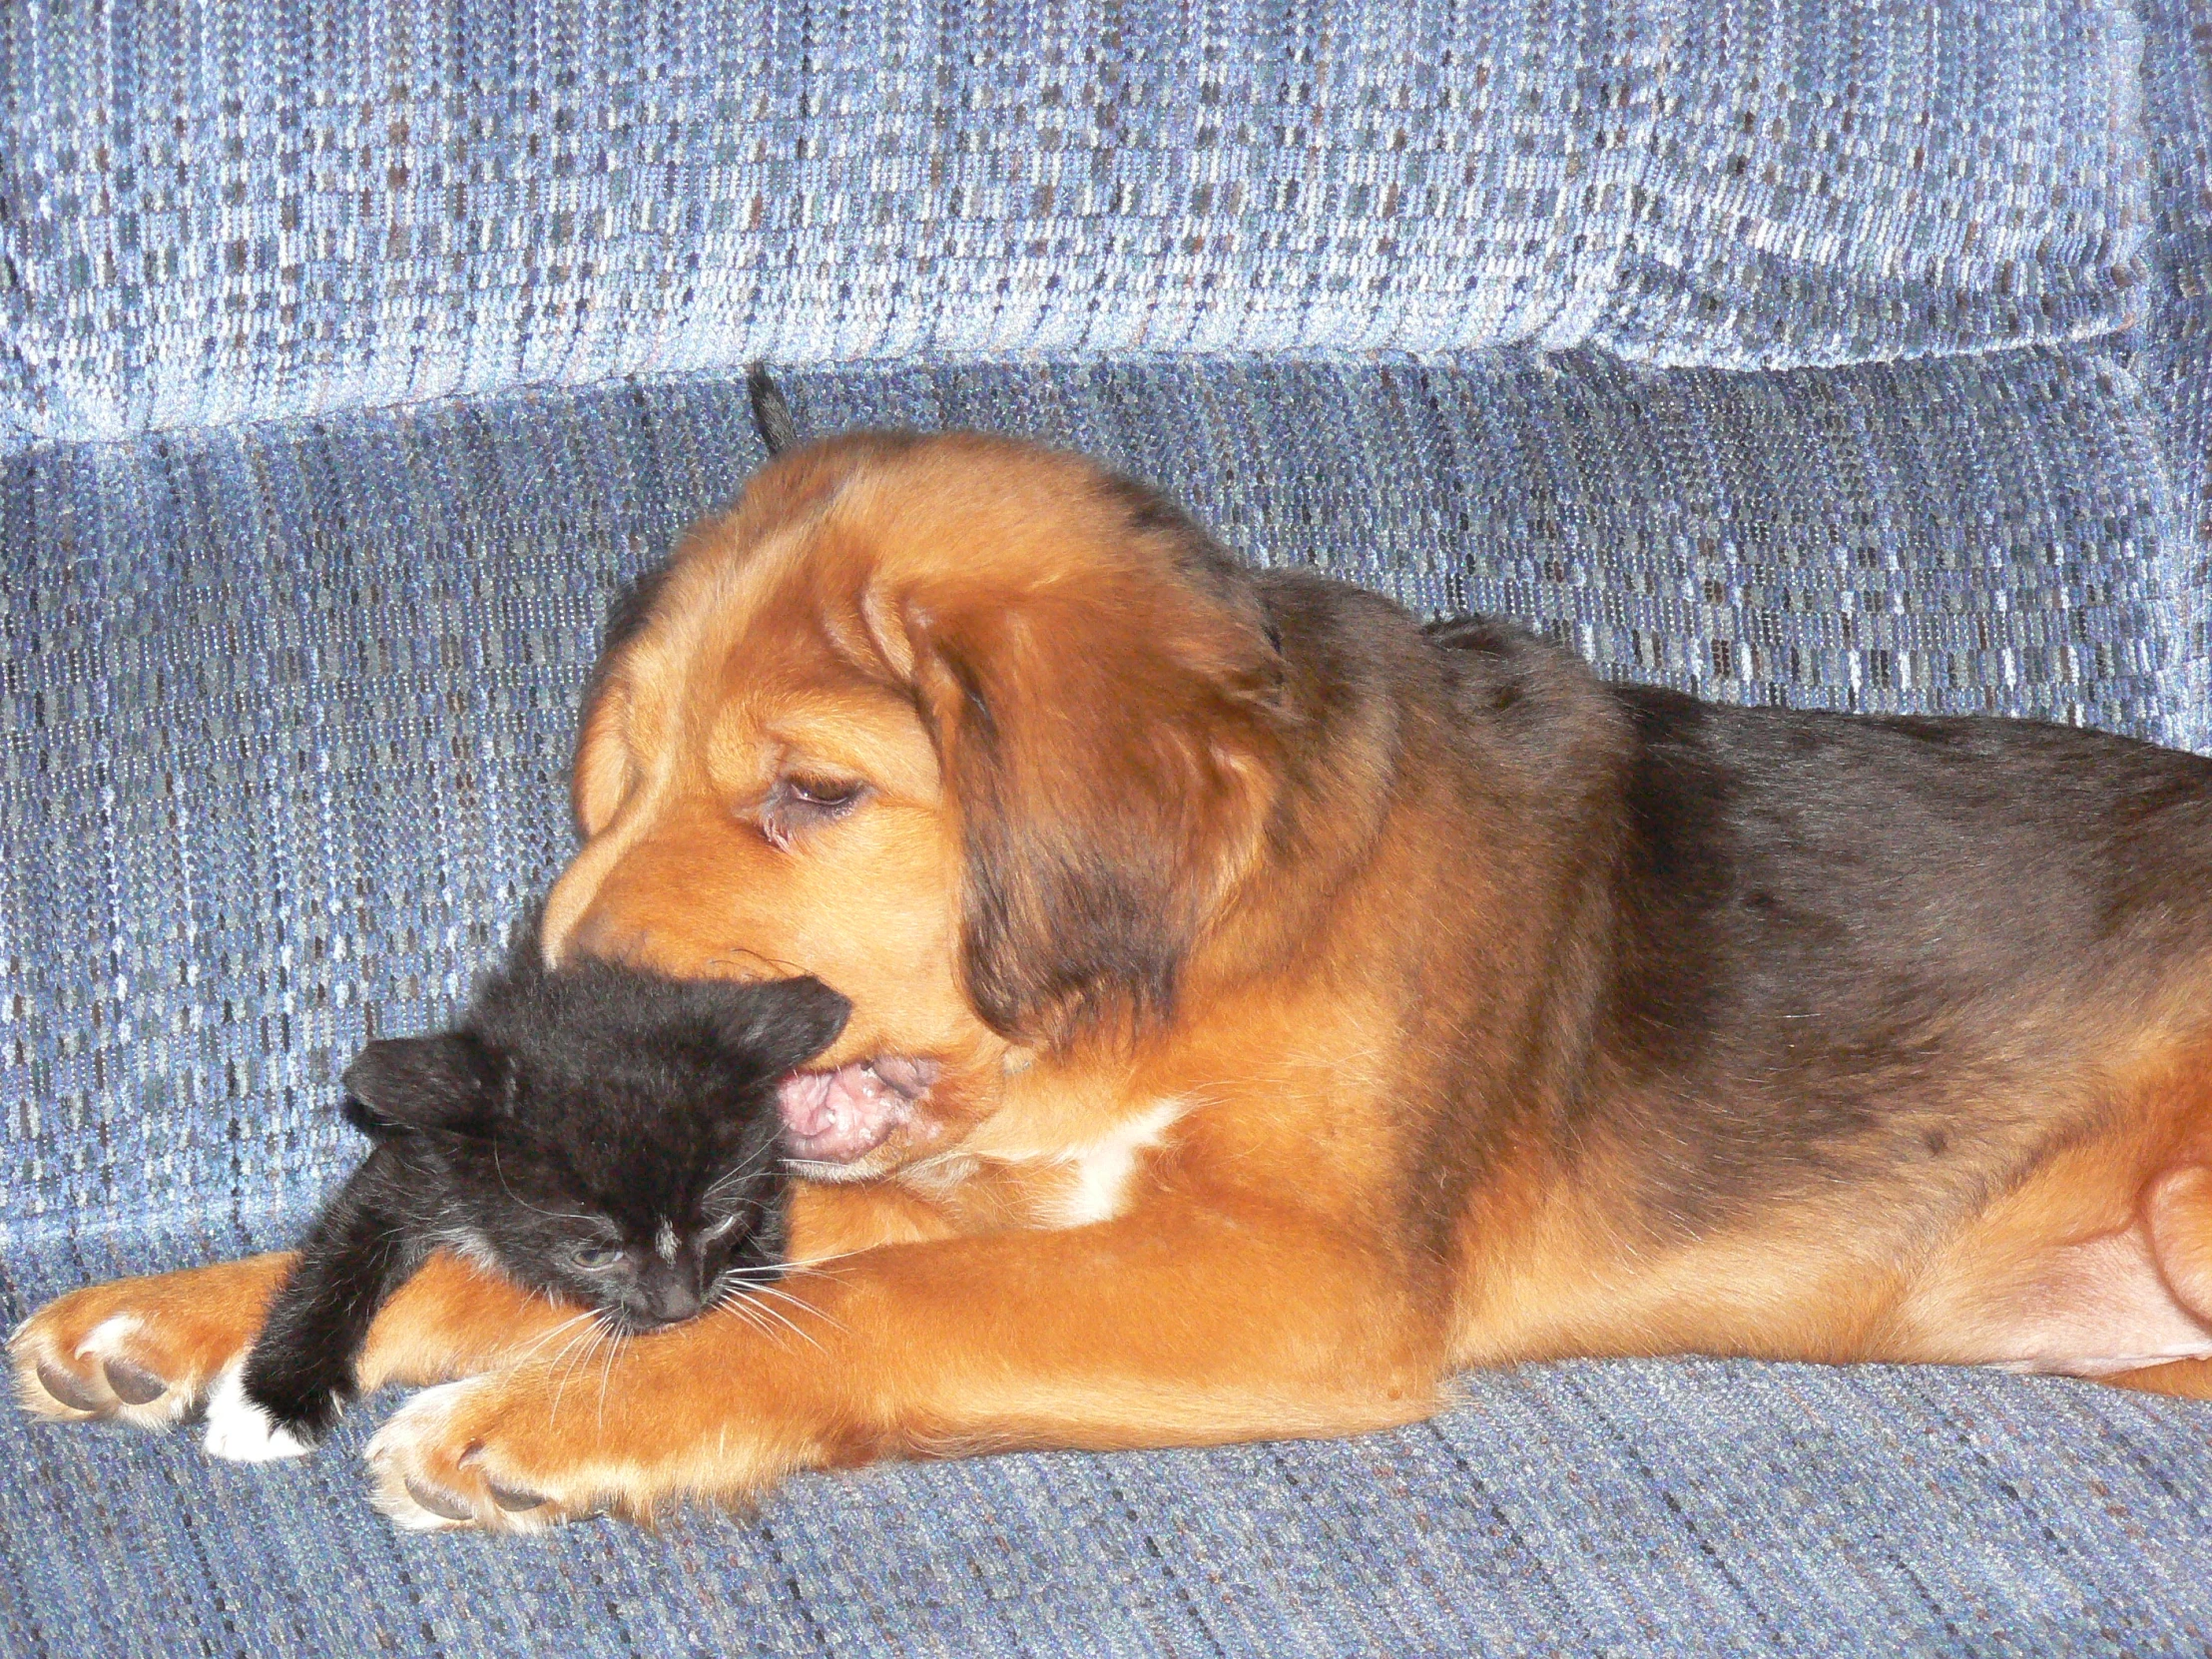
column 1101, row 1169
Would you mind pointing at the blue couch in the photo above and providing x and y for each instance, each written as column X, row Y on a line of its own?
column 352, row 352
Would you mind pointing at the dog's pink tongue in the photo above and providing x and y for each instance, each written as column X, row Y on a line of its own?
column 837, row 1115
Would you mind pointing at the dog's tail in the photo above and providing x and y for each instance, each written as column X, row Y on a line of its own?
column 772, row 416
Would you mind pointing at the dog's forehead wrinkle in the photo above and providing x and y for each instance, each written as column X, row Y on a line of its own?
column 886, row 624
column 734, row 588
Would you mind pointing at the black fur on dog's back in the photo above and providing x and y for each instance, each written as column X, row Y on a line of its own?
column 1882, row 925
column 1842, row 943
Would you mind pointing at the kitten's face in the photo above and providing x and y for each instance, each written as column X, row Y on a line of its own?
column 649, row 1224
column 607, row 1136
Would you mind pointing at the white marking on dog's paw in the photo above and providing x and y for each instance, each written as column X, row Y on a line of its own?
column 243, row 1432
column 105, row 1340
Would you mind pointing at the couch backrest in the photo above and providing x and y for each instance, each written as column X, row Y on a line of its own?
column 259, row 209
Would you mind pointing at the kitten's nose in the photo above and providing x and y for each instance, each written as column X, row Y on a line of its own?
column 674, row 1299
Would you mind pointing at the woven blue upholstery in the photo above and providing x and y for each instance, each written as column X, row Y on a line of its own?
column 2174, row 352
column 267, row 209
column 1839, row 356
column 319, row 682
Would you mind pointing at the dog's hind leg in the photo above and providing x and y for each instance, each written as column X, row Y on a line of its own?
column 2178, row 1211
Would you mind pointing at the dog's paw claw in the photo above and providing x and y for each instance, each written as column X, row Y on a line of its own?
column 440, row 1504
column 134, row 1384
column 73, row 1391
column 83, row 1356
column 446, row 1459
column 515, row 1500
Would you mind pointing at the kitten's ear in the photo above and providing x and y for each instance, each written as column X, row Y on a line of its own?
column 525, row 960
column 783, row 1024
column 443, row 1082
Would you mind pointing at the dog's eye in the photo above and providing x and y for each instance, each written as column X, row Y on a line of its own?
column 821, row 793
column 598, row 1258
column 798, row 804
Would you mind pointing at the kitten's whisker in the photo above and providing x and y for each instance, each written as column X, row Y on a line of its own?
column 610, row 1338
column 784, row 1320
column 737, row 1305
column 545, row 1337
column 822, row 1313
column 582, row 1340
column 761, row 1276
column 751, row 1166
column 598, row 1331
column 764, row 1279
column 606, row 1371
column 789, row 1277
column 565, row 1360
column 813, row 1264
column 736, row 1300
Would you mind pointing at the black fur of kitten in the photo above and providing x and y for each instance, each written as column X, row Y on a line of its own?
column 599, row 1134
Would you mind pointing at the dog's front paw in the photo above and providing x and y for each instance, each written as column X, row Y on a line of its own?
column 677, row 1415
column 471, row 1453
column 707, row 1409
column 143, row 1349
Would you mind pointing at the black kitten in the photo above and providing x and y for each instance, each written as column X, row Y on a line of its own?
column 598, row 1134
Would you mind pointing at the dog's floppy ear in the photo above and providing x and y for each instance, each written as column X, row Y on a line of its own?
column 1109, row 750
column 600, row 776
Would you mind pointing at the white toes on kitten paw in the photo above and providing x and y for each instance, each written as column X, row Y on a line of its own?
column 241, row 1431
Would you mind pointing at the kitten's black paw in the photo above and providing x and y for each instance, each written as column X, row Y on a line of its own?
column 246, row 1429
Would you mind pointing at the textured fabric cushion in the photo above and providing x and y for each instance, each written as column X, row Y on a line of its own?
column 1629, row 1510
column 213, row 213
column 287, row 709
column 2174, row 352
column 285, row 714
column 1835, row 182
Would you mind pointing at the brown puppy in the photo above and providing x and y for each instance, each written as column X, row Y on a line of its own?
column 1263, row 1006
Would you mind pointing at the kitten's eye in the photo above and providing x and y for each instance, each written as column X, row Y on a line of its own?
column 721, row 1228
column 598, row 1258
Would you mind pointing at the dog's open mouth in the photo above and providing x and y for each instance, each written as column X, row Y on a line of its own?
column 835, row 1117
